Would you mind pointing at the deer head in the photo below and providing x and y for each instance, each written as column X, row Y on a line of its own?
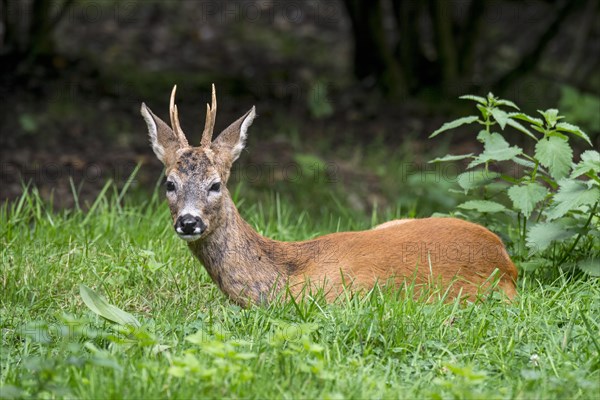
column 196, row 176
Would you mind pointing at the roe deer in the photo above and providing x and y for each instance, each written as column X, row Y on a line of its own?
column 248, row 267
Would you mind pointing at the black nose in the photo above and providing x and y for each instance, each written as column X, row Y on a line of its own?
column 189, row 225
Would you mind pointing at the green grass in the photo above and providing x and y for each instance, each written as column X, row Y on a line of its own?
column 194, row 343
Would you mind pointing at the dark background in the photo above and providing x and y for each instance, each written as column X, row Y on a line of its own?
column 329, row 80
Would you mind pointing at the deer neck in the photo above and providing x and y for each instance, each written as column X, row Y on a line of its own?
column 244, row 264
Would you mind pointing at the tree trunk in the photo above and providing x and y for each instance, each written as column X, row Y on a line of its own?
column 441, row 11
column 40, row 41
column 373, row 56
column 469, row 36
column 406, row 13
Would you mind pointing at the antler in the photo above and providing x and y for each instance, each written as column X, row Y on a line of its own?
column 175, row 119
column 211, row 115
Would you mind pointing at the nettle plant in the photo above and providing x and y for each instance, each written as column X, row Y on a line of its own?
column 551, row 200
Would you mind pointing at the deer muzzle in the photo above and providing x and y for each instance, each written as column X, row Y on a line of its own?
column 189, row 227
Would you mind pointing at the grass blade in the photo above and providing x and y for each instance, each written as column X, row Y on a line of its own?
column 103, row 308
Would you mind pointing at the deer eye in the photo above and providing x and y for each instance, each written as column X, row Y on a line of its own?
column 215, row 187
column 170, row 186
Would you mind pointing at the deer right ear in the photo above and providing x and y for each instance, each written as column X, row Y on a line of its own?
column 165, row 142
column 230, row 143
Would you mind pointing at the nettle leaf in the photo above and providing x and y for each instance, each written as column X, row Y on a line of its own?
column 590, row 162
column 500, row 116
column 540, row 236
column 484, row 111
column 526, row 197
column 591, row 266
column 539, row 129
column 517, row 125
column 491, row 99
column 485, row 206
column 478, row 99
column 555, row 154
column 590, row 183
column 495, row 148
column 571, row 195
column 536, row 263
column 103, row 308
column 508, row 103
column 483, row 135
column 528, row 164
column 451, row 157
column 558, row 134
column 474, row 179
column 524, row 117
column 575, row 130
column 551, row 116
column 455, row 124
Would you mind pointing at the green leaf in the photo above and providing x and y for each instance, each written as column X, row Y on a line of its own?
column 526, row 197
column 551, row 116
column 590, row 266
column 28, row 123
column 526, row 163
column 500, row 116
column 496, row 148
column 100, row 306
column 590, row 162
column 532, row 265
column 555, row 154
column 517, row 125
column 473, row 179
column 455, row 124
column 575, row 130
column 540, row 236
column 478, row 99
column 11, row 392
column 527, row 118
column 483, row 110
column 199, row 337
column 531, row 374
column 571, row 195
column 483, row 136
column 484, row 206
column 540, row 130
column 508, row 103
column 450, row 157
column 466, row 372
column 557, row 134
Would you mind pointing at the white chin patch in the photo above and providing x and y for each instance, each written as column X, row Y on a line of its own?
column 189, row 238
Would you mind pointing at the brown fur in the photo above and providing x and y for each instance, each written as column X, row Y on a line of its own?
column 460, row 256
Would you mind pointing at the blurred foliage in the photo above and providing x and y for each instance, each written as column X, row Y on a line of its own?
column 581, row 108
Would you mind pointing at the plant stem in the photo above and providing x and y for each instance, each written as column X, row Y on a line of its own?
column 593, row 176
column 524, row 231
column 587, row 223
column 535, row 169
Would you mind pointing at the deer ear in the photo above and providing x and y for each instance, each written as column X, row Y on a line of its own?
column 230, row 143
column 164, row 141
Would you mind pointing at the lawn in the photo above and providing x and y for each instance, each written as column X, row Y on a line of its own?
column 194, row 343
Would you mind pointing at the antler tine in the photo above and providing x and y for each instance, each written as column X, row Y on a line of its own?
column 211, row 116
column 175, row 118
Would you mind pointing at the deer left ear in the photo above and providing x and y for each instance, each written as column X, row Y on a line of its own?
column 230, row 143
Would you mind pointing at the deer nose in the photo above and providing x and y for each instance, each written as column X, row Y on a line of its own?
column 189, row 225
